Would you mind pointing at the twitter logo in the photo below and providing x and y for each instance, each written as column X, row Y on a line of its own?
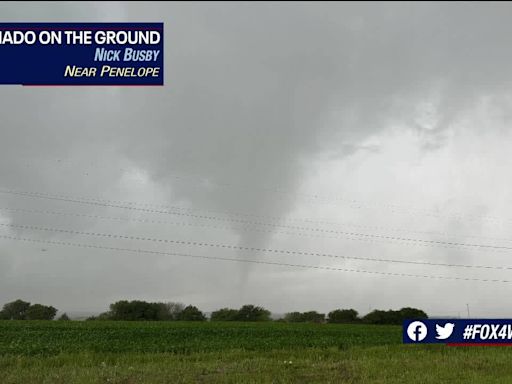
column 444, row 332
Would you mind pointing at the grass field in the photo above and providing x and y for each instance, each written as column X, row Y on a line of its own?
column 173, row 352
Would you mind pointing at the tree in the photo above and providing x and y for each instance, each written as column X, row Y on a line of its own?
column 252, row 313
column 142, row 310
column 191, row 313
column 134, row 310
column 305, row 317
column 294, row 317
column 64, row 317
column 104, row 316
column 101, row 316
column 313, row 317
column 343, row 316
column 381, row 317
column 169, row 311
column 224, row 314
column 15, row 310
column 40, row 312
column 394, row 317
column 412, row 313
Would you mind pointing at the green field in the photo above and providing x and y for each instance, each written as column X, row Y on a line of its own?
column 175, row 352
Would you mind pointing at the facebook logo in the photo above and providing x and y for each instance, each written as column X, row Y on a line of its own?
column 417, row 331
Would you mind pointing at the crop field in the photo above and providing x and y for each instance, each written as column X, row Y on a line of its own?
column 175, row 352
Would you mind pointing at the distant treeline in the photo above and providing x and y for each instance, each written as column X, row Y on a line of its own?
column 22, row 310
column 350, row 316
column 138, row 310
column 142, row 310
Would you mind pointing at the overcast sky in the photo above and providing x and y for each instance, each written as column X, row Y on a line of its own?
column 297, row 127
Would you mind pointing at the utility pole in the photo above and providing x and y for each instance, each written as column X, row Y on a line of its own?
column 467, row 306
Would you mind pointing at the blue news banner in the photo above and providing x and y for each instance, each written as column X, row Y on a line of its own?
column 82, row 53
column 458, row 331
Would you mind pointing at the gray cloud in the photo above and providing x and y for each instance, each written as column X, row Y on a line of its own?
column 376, row 102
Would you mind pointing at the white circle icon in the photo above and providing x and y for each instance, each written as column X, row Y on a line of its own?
column 417, row 331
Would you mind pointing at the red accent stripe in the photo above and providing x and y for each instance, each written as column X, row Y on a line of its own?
column 479, row 344
column 92, row 85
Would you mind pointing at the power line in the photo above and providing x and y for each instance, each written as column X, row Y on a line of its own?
column 356, row 235
column 242, row 248
column 325, row 199
column 353, row 203
column 392, row 229
column 224, row 213
column 247, row 227
column 81, row 245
